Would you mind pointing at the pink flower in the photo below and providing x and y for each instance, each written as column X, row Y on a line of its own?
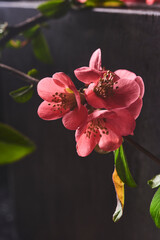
column 105, row 129
column 108, row 89
column 148, row 2
column 61, row 99
column 81, row 1
column 93, row 72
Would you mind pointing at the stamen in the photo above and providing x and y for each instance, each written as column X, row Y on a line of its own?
column 64, row 101
column 94, row 126
column 104, row 87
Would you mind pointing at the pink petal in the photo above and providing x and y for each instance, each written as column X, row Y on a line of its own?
column 87, row 75
column 77, row 97
column 141, row 85
column 122, row 73
column 46, row 88
column 150, row 2
column 93, row 99
column 94, row 115
column 95, row 60
column 121, row 122
column 80, row 131
column 46, row 111
column 100, row 114
column 127, row 93
column 110, row 142
column 73, row 119
column 61, row 78
column 85, row 145
column 81, row 1
column 135, row 108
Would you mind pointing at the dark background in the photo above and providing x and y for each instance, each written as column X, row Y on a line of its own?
column 53, row 193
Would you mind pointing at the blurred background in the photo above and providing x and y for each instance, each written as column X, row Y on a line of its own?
column 54, row 193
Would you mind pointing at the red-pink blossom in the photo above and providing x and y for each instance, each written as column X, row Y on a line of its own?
column 105, row 129
column 108, row 89
column 148, row 2
column 61, row 99
column 81, row 1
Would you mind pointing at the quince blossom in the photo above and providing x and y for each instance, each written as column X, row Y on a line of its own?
column 104, row 128
column 109, row 90
column 61, row 100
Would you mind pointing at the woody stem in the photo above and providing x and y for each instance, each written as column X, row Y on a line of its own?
column 20, row 74
column 12, row 31
column 142, row 149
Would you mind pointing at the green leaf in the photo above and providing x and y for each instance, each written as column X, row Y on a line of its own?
column 119, row 188
column 41, row 49
column 33, row 73
column 122, row 167
column 97, row 3
column 154, row 182
column 54, row 8
column 39, row 44
column 13, row 145
column 155, row 208
column 31, row 32
column 23, row 94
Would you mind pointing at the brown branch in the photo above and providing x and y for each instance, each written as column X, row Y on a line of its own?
column 142, row 149
column 20, row 74
column 12, row 31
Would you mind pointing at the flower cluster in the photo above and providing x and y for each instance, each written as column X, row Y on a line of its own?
column 130, row 2
column 102, row 112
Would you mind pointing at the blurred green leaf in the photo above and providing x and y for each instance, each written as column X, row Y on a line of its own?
column 33, row 73
column 54, row 8
column 155, row 208
column 16, row 43
column 154, row 182
column 22, row 94
column 13, row 145
column 41, row 49
column 122, row 167
column 39, row 44
column 112, row 3
column 31, row 32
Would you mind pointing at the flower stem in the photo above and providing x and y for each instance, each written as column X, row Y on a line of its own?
column 142, row 149
column 20, row 74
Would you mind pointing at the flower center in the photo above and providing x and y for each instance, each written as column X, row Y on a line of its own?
column 104, row 87
column 96, row 126
column 64, row 100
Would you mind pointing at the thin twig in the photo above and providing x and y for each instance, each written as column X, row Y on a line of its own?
column 12, row 31
column 20, row 74
column 142, row 149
